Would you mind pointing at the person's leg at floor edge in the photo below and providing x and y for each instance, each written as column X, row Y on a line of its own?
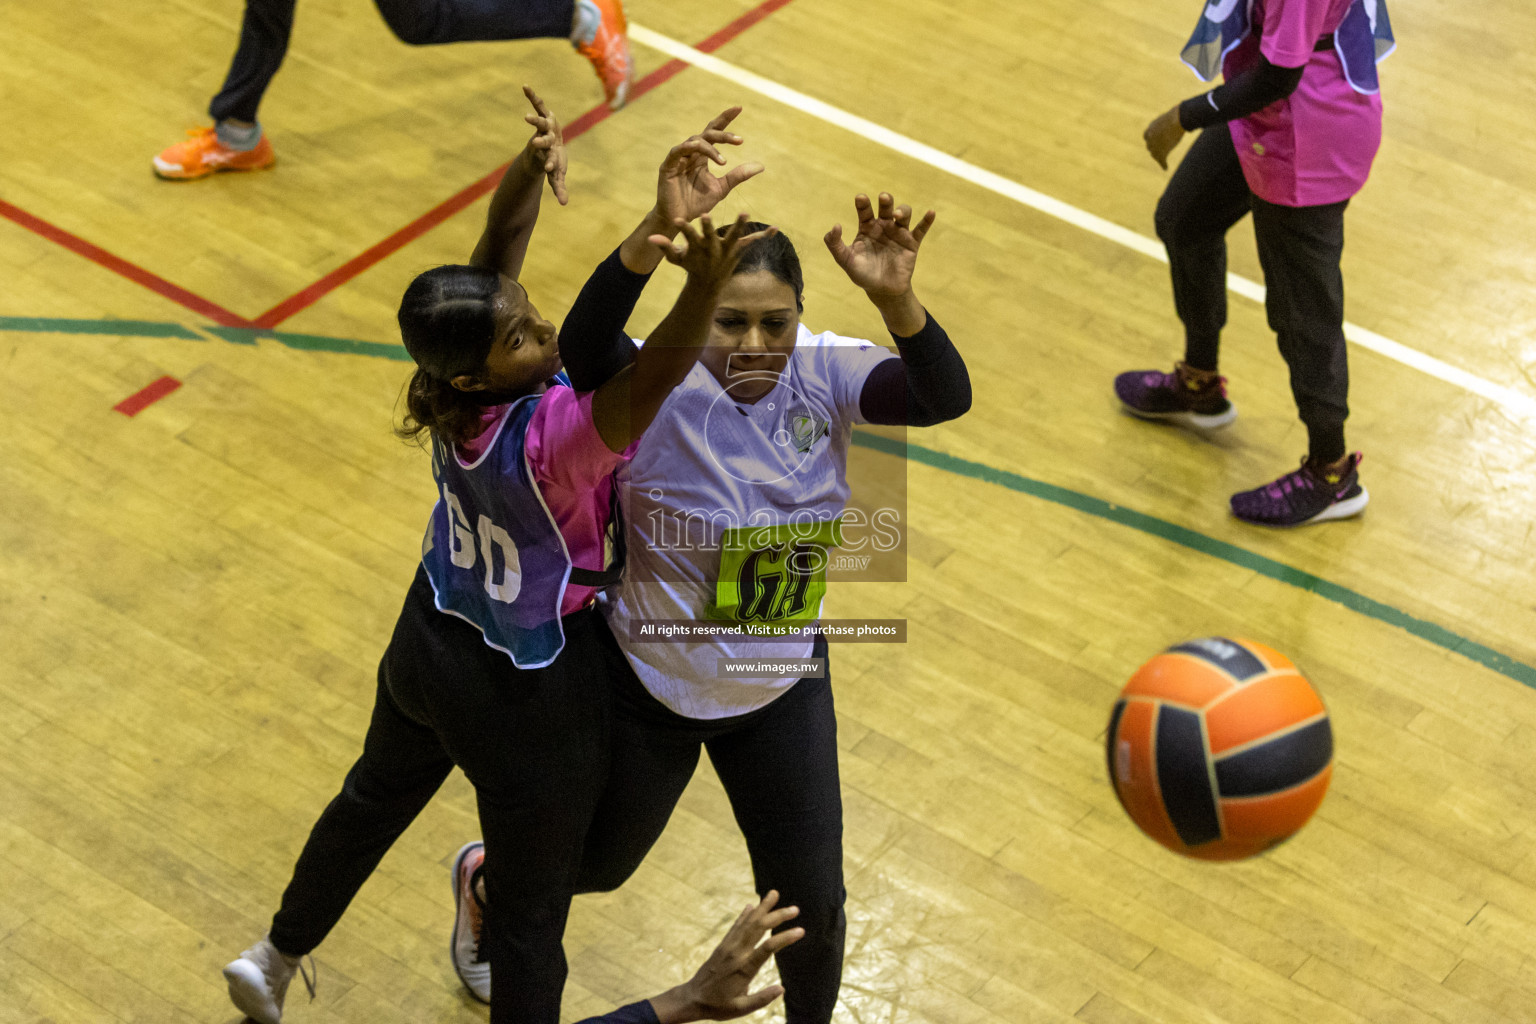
column 781, row 775
column 236, row 141
column 1300, row 249
column 1204, row 198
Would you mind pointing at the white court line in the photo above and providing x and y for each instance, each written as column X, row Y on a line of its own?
column 1514, row 401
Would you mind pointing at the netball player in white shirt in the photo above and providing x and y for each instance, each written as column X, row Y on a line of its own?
column 756, row 434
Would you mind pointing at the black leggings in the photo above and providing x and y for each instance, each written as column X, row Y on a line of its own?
column 1299, row 248
column 267, row 24
column 778, row 765
column 535, row 745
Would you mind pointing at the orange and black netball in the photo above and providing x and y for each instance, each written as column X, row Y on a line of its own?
column 1219, row 749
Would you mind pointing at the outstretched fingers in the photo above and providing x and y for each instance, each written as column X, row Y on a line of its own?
column 767, row 232
column 549, row 142
column 743, row 172
column 787, row 937
column 754, row 921
column 533, row 97
column 745, row 931
column 721, row 121
column 714, row 247
column 715, row 133
column 695, row 239
column 669, row 251
column 864, row 209
column 923, row 225
column 545, row 139
column 547, row 131
column 733, row 233
column 736, row 238
column 885, row 218
column 720, row 138
column 743, row 1005
column 835, row 244
column 692, row 148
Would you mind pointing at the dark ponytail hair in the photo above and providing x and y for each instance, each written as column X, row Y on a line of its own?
column 448, row 323
column 775, row 254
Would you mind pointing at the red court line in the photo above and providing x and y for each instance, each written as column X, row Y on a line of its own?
column 740, row 25
column 74, row 243
column 140, row 400
column 453, row 204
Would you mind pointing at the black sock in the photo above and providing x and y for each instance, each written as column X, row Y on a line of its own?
column 1325, row 443
column 1200, row 351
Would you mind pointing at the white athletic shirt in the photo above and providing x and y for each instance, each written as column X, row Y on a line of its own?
column 722, row 461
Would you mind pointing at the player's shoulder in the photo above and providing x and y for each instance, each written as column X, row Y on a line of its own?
column 557, row 399
column 828, row 340
column 831, row 358
column 827, row 351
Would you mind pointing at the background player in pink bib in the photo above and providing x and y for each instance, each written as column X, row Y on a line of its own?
column 1290, row 136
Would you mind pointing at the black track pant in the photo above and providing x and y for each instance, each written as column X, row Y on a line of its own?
column 267, row 24
column 1299, row 248
column 778, row 765
column 535, row 745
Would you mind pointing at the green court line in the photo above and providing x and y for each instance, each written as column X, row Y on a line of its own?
column 238, row 335
column 312, row 342
column 1357, row 602
column 1183, row 536
column 120, row 328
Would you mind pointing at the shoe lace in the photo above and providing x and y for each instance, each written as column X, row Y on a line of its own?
column 309, row 976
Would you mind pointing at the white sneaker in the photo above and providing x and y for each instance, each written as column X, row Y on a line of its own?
column 259, row 979
column 474, row 972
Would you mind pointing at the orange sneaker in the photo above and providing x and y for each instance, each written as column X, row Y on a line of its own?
column 606, row 46
column 203, row 154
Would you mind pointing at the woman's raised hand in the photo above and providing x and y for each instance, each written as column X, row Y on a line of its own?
column 626, row 405
column 685, row 188
column 547, row 144
column 709, row 258
column 883, row 254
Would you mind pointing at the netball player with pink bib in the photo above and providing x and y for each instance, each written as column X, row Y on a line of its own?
column 1290, row 136
column 498, row 661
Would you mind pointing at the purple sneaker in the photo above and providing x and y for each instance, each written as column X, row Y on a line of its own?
column 1179, row 397
column 1306, row 495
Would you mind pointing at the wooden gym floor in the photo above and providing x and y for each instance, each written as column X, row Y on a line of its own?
column 193, row 599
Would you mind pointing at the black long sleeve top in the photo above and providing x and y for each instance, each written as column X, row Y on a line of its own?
column 1248, row 93
column 928, row 384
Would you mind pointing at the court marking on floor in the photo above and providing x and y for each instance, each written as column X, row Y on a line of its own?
column 329, row 282
column 1431, row 632
column 312, row 293
column 132, row 271
column 1507, row 398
